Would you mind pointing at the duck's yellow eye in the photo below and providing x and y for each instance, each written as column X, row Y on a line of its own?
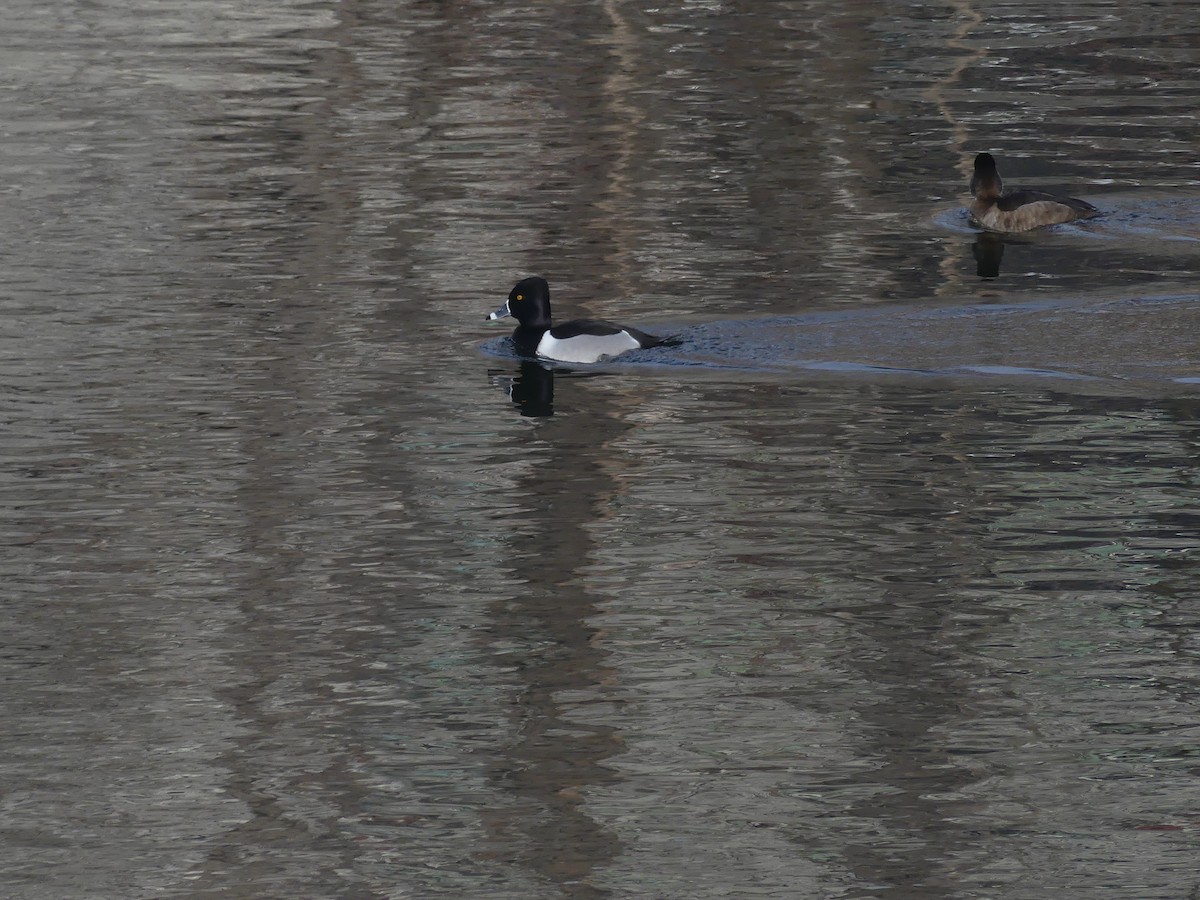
column 520, row 296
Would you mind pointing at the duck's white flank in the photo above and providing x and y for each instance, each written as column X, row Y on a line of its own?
column 585, row 348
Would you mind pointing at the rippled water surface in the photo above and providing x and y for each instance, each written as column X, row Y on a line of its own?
column 880, row 583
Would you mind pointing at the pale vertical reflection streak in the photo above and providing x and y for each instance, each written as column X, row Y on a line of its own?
column 951, row 265
column 626, row 119
column 850, row 173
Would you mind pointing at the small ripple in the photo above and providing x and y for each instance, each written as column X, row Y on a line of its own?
column 1025, row 372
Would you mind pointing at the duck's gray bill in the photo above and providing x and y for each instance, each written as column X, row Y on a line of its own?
column 499, row 313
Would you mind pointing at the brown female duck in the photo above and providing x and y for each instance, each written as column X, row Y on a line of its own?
column 1018, row 210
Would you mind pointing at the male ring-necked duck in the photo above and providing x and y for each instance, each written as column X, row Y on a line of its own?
column 1018, row 210
column 577, row 341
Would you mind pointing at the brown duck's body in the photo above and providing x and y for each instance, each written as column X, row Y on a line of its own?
column 1018, row 210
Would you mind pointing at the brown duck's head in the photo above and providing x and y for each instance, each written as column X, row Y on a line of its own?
column 986, row 183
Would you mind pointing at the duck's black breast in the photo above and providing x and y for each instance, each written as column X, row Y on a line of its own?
column 527, row 338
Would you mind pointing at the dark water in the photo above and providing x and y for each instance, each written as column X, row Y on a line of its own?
column 881, row 584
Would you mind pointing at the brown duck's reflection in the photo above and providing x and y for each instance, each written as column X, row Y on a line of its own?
column 545, row 635
column 988, row 251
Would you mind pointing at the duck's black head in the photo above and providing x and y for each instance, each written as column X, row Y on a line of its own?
column 528, row 303
column 985, row 182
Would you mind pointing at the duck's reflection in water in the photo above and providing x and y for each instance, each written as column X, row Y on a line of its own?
column 988, row 251
column 531, row 387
